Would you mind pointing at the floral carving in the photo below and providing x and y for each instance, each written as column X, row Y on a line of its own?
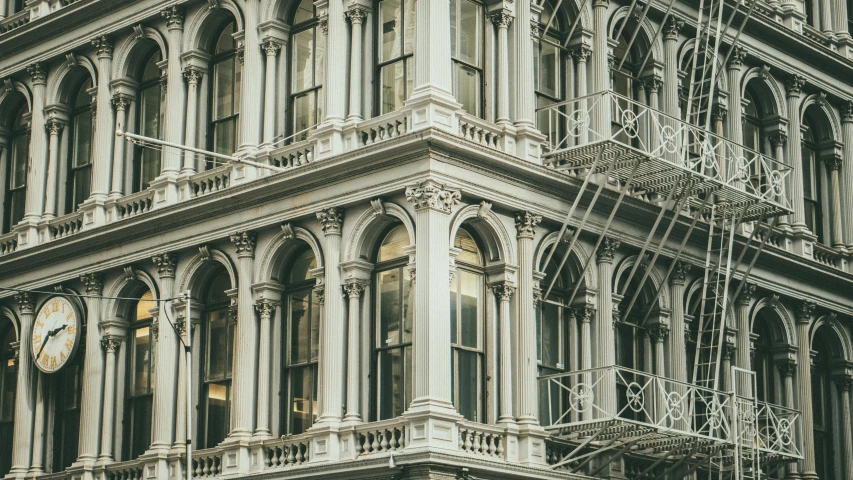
column 433, row 195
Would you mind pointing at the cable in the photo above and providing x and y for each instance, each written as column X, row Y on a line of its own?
column 82, row 295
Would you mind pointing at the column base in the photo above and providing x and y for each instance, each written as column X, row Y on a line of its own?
column 328, row 140
column 433, row 108
column 165, row 190
column 531, row 445
column 27, row 231
column 528, row 142
column 94, row 211
column 432, row 426
column 326, row 443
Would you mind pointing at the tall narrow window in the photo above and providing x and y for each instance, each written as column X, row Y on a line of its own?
column 79, row 182
column 146, row 161
column 466, row 48
column 552, row 335
column 762, row 362
column 850, row 17
column 466, row 328
column 811, row 183
column 218, row 363
column 753, row 135
column 225, row 95
column 303, row 344
column 393, row 347
column 8, row 384
column 308, row 59
column 631, row 342
column 16, row 173
column 396, row 33
column 67, row 392
column 548, row 65
column 822, row 396
column 140, row 391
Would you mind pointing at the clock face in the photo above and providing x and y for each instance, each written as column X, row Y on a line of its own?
column 56, row 334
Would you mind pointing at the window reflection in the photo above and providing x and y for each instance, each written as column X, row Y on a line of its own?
column 396, row 30
column 308, row 57
column 226, row 75
column 16, row 173
column 218, row 361
column 140, row 390
column 466, row 45
column 466, row 328
column 147, row 160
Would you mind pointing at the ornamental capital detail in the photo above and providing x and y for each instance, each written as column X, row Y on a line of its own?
column 332, row 220
column 174, row 18
column 320, row 294
column 354, row 289
column 786, row 367
column 847, row 112
column 747, row 293
column 585, row 313
column 503, row 290
column 271, row 46
column 503, row 18
column 607, row 249
column 778, row 139
column 244, row 243
column 166, row 263
column 121, row 101
column 671, row 28
column 805, row 311
column 832, row 162
column 110, row 345
column 659, row 333
column 679, row 272
column 94, row 283
column 266, row 307
column 581, row 53
column 356, row 13
column 433, row 195
column 25, row 302
column 653, row 83
column 37, row 72
column 794, row 85
column 193, row 74
column 54, row 126
column 104, row 46
column 526, row 223
column 737, row 56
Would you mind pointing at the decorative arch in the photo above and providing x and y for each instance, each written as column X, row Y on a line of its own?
column 278, row 10
column 687, row 50
column 203, row 25
column 280, row 249
column 498, row 243
column 772, row 98
column 199, row 268
column 783, row 326
column 842, row 345
column 8, row 92
column 695, row 288
column 71, row 73
column 644, row 37
column 655, row 278
column 132, row 284
column 371, row 223
column 829, row 117
column 578, row 257
column 131, row 52
column 16, row 323
column 570, row 10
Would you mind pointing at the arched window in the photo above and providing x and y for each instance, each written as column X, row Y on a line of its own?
column 823, row 397
column 466, row 50
column 8, row 385
column 762, row 362
column 16, row 170
column 308, row 61
column 79, row 179
column 393, row 337
column 753, row 131
column 303, row 343
column 140, row 385
column 817, row 142
column 226, row 73
column 67, row 388
column 146, row 161
column 548, row 65
column 466, row 328
column 553, row 323
column 218, row 350
column 395, row 25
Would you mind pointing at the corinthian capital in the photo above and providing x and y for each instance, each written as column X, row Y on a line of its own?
column 54, row 126
column 94, row 283
column 37, row 72
column 332, row 220
column 266, row 307
column 25, row 302
column 244, row 242
column 104, row 46
column 805, row 311
column 737, row 57
column 193, row 74
column 747, row 293
column 354, row 289
column 679, row 273
column 607, row 249
column 166, row 263
column 433, row 195
column 671, row 28
column 174, row 18
column 526, row 223
column 502, row 18
column 794, row 85
column 503, row 290
column 356, row 13
column 847, row 112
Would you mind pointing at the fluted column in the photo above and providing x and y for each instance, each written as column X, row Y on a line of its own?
column 787, row 367
column 193, row 76
column 586, row 313
column 431, row 367
column 175, row 110
column 677, row 348
column 844, row 383
column 102, row 160
column 805, row 313
column 271, row 47
column 778, row 140
column 847, row 172
column 38, row 156
column 600, row 64
column 108, row 432
column 353, row 290
column 266, row 310
column 93, row 373
column 606, row 345
column 165, row 382
column 245, row 369
column 669, row 103
column 121, row 103
column 332, row 343
column 54, row 129
column 580, row 55
column 356, row 14
column 658, row 336
column 833, row 163
column 734, row 125
column 794, row 86
column 502, row 20
column 742, row 358
column 504, row 292
column 40, row 425
column 25, row 391
column 527, row 390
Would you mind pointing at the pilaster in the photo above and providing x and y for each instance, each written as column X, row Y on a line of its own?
column 91, row 405
column 805, row 315
column 605, row 344
column 167, row 354
column 246, row 354
column 794, row 87
column 54, row 126
column 193, row 75
column 25, row 391
column 34, row 203
column 847, row 172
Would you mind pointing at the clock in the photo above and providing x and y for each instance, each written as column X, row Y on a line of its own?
column 56, row 334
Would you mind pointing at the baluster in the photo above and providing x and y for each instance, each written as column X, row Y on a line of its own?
column 375, row 445
column 500, row 446
column 384, row 444
column 461, row 439
column 492, row 444
column 291, row 456
column 477, row 445
column 300, row 455
column 468, row 436
column 394, row 442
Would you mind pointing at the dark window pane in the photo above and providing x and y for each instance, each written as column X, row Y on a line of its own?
column 301, row 401
column 82, row 139
column 224, row 137
column 141, row 425
column 315, row 328
column 82, row 186
column 468, row 386
column 393, row 243
column 391, row 373
column 217, row 344
column 305, row 111
column 396, row 84
column 300, row 328
column 217, row 414
column 454, row 309
column 550, row 334
column 20, row 155
column 408, row 305
column 469, row 314
column 141, row 361
column 389, row 307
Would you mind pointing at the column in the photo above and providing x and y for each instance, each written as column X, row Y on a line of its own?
column 658, row 336
column 586, row 314
column 526, row 370
column 833, row 163
column 266, row 310
column 54, row 129
column 840, row 7
column 353, row 290
column 24, row 393
column 246, row 356
column 335, row 85
column 93, row 372
column 669, row 102
column 167, row 354
column 600, row 65
column 433, row 203
column 581, row 54
column 433, row 76
column 504, row 292
column 805, row 313
column 502, row 20
column 777, row 141
column 677, row 348
column 794, row 87
column 40, row 424
column 179, row 306
column 826, row 25
column 605, row 349
column 121, row 103
column 734, row 125
column 104, row 123
column 38, row 156
column 175, row 110
column 356, row 14
column 787, row 367
column 847, row 171
column 108, row 432
column 271, row 47
column 332, row 345
column 844, row 382
column 193, row 76
column 742, row 358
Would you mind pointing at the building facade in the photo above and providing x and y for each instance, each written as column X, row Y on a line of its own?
column 399, row 297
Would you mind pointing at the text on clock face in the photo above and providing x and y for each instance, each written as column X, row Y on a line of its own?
column 54, row 334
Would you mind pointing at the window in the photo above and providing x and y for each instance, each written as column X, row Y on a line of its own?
column 303, row 343
column 466, row 328
column 762, row 362
column 548, row 64
column 79, row 180
column 16, row 171
column 394, row 313
column 552, row 337
column 850, row 17
column 308, row 58
column 68, row 390
column 218, row 362
column 466, row 47
column 226, row 73
column 812, row 183
column 396, row 33
column 8, row 384
column 146, row 161
column 632, row 340
column 823, row 390
column 140, row 387
column 753, row 134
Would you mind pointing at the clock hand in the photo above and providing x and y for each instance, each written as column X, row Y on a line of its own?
column 47, row 337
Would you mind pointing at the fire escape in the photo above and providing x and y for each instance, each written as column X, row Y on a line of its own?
column 674, row 429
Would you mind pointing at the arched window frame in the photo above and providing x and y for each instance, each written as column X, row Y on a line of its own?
column 767, row 386
column 217, row 308
column 78, row 184
column 227, row 122
column 467, row 17
column 8, row 387
column 139, row 396
column 813, row 179
column 824, row 397
column 395, row 34
column 150, row 88
column 17, row 163
column 305, row 102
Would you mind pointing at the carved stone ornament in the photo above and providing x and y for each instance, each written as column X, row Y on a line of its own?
column 737, row 57
column 354, row 289
column 37, row 72
column 671, row 28
column 502, row 18
column 266, row 308
column 174, row 17
column 607, row 249
column 287, row 230
column 581, row 53
column 653, row 83
column 747, row 293
column 786, row 367
column 110, row 344
column 377, row 206
column 778, row 139
column 54, row 126
column 356, row 13
column 166, row 263
column 193, row 74
column 433, row 195
column 271, row 46
column 585, row 313
column 320, row 295
column 805, row 311
column 794, row 85
column 728, row 351
column 244, row 243
column 324, row 24
column 103, row 46
column 832, row 162
column 155, row 329
column 659, row 333
column 679, row 272
column 847, row 112
column 485, row 208
column 25, row 302
column 331, row 219
column 526, row 223
column 503, row 291
column 94, row 283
